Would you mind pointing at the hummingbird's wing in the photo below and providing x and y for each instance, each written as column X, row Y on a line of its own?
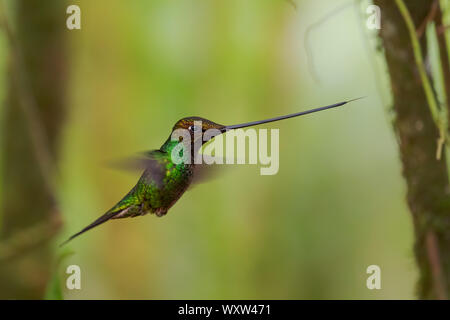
column 151, row 162
column 205, row 172
column 211, row 168
column 140, row 161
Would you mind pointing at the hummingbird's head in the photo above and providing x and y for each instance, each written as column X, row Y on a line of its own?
column 199, row 128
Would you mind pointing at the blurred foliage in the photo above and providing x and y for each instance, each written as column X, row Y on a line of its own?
column 337, row 204
column 54, row 287
column 3, row 68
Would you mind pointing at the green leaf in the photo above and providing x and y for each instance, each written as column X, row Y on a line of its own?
column 54, row 289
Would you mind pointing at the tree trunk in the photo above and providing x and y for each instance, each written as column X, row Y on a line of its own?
column 427, row 178
column 35, row 107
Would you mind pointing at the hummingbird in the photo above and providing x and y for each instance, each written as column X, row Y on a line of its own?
column 165, row 180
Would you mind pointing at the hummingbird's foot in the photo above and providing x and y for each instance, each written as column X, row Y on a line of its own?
column 160, row 212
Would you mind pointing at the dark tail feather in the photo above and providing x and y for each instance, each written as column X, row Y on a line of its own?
column 97, row 222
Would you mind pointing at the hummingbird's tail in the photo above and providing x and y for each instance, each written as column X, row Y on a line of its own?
column 102, row 219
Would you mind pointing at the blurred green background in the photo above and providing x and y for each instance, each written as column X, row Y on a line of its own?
column 337, row 204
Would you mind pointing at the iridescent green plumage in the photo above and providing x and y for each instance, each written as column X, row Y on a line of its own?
column 159, row 187
column 161, row 184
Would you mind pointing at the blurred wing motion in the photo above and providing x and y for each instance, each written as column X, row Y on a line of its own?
column 209, row 170
column 132, row 204
column 140, row 161
column 144, row 160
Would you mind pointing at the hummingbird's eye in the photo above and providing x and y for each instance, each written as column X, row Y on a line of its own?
column 194, row 128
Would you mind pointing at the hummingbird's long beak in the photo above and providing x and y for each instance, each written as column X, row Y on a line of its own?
column 255, row 123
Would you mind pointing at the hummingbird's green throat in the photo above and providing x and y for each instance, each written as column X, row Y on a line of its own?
column 165, row 179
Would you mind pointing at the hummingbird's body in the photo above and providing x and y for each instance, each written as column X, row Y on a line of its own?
column 165, row 179
column 147, row 197
column 156, row 192
column 158, row 188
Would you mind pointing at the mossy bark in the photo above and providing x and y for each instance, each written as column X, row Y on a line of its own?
column 426, row 177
